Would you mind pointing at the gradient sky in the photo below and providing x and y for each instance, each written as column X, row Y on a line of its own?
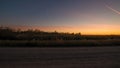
column 85, row 16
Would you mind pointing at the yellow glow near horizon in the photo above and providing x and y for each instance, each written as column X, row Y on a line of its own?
column 100, row 29
column 95, row 29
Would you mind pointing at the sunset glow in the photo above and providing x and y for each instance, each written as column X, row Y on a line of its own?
column 98, row 29
column 85, row 16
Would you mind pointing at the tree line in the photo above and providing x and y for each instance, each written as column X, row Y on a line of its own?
column 7, row 33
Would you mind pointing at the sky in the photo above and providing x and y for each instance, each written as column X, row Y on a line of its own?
column 85, row 16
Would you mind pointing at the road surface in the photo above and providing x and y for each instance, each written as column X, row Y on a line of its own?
column 77, row 57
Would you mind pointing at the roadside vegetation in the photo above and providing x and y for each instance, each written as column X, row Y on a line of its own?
column 36, row 38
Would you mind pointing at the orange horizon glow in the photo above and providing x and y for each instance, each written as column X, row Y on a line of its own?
column 98, row 29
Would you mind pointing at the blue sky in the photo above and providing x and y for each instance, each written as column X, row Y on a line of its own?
column 69, row 13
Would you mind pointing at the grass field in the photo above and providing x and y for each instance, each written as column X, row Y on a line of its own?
column 59, row 43
column 76, row 57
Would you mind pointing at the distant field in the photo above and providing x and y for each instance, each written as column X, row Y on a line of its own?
column 76, row 57
column 59, row 43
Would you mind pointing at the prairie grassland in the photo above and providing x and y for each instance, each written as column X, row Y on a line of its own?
column 59, row 43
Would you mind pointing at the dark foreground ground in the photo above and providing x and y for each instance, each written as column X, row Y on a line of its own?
column 77, row 57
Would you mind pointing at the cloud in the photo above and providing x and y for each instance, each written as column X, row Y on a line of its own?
column 118, row 12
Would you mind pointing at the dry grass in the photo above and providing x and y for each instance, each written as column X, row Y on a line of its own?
column 59, row 43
